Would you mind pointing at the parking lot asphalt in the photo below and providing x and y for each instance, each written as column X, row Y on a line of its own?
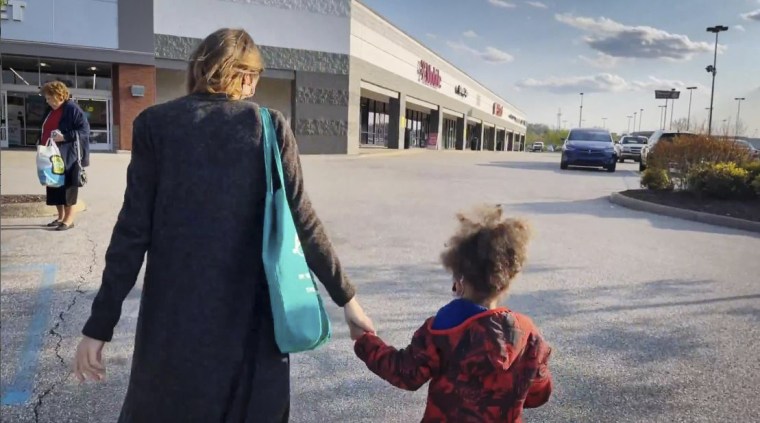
column 651, row 318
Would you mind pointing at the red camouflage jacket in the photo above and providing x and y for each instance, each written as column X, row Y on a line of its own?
column 486, row 369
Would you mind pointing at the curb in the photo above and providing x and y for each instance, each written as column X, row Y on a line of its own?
column 29, row 210
column 390, row 153
column 695, row 216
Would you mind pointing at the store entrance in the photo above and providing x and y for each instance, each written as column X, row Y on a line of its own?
column 23, row 113
column 417, row 129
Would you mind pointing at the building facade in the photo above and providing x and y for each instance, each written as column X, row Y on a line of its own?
column 343, row 76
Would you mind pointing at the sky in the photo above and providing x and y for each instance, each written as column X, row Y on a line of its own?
column 540, row 55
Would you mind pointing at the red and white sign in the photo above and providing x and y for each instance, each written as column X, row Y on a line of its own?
column 498, row 109
column 428, row 74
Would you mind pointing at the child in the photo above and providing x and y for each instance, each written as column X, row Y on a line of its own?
column 485, row 362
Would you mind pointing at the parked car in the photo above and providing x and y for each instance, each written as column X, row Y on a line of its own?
column 537, row 146
column 589, row 147
column 550, row 148
column 657, row 136
column 630, row 147
column 753, row 152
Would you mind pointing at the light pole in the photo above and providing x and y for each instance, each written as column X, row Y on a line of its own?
column 713, row 70
column 580, row 117
column 662, row 120
column 688, row 117
column 629, row 124
column 641, row 117
column 672, row 107
column 634, row 121
column 738, row 110
column 604, row 123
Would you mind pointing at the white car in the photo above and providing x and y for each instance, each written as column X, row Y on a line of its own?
column 658, row 136
column 630, row 147
column 537, row 146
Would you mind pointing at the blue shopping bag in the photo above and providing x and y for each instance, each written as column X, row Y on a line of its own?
column 300, row 319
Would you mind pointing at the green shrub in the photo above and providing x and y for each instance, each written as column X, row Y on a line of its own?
column 753, row 168
column 756, row 185
column 680, row 155
column 721, row 180
column 656, row 179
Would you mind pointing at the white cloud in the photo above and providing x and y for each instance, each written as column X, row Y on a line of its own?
column 537, row 4
column 501, row 3
column 752, row 16
column 470, row 34
column 490, row 54
column 601, row 61
column 602, row 83
column 431, row 35
column 740, row 28
column 618, row 40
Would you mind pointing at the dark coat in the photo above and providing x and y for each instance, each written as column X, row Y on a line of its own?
column 73, row 122
column 204, row 347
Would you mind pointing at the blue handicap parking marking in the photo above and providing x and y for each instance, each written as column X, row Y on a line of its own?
column 20, row 390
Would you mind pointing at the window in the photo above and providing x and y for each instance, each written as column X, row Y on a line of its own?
column 35, row 72
column 449, row 134
column 374, row 122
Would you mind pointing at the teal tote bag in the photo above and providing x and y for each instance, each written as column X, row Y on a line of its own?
column 300, row 319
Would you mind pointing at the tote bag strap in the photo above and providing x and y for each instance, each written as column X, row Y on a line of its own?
column 271, row 149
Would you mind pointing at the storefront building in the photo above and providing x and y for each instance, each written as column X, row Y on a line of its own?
column 344, row 77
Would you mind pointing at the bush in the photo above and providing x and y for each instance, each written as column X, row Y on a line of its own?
column 753, row 168
column 721, row 180
column 679, row 156
column 656, row 179
column 756, row 185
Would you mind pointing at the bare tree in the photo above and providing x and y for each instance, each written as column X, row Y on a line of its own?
column 680, row 124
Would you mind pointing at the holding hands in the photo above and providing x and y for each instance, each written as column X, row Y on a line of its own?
column 358, row 322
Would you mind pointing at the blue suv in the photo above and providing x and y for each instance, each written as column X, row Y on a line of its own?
column 589, row 147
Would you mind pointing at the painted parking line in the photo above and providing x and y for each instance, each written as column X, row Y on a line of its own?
column 20, row 390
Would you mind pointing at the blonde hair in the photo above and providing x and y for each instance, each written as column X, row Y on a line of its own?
column 56, row 89
column 488, row 251
column 220, row 62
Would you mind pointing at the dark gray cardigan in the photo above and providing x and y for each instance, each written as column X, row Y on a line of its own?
column 194, row 202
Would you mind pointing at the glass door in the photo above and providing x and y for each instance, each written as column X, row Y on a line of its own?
column 98, row 114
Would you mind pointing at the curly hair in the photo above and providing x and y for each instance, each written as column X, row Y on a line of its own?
column 488, row 250
column 56, row 89
column 221, row 60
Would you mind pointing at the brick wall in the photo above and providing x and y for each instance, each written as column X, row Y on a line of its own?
column 125, row 107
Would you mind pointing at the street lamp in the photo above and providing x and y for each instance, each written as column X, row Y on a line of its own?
column 629, row 124
column 634, row 120
column 580, row 117
column 662, row 119
column 604, row 123
column 672, row 107
column 713, row 70
column 641, row 117
column 688, row 117
column 739, row 110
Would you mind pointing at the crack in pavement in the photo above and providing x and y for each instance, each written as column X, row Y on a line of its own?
column 78, row 291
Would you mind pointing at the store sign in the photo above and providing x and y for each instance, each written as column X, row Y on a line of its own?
column 432, row 140
column 498, row 109
column 428, row 74
column 461, row 91
column 13, row 9
column 62, row 22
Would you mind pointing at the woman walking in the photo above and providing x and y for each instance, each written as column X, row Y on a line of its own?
column 67, row 125
column 205, row 348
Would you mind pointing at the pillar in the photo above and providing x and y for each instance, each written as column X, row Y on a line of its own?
column 480, row 129
column 397, row 122
column 126, row 106
column 436, row 129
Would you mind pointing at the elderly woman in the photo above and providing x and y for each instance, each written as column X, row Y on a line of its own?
column 205, row 349
column 67, row 125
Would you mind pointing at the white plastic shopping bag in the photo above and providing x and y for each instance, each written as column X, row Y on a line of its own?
column 50, row 166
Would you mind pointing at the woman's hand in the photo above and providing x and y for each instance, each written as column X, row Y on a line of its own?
column 57, row 136
column 358, row 322
column 88, row 363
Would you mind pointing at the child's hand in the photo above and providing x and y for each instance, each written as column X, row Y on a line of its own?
column 358, row 322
